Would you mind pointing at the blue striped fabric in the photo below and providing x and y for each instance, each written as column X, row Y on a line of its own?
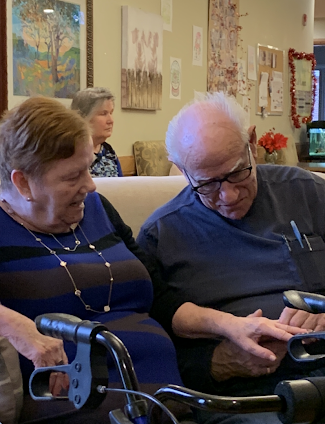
column 32, row 282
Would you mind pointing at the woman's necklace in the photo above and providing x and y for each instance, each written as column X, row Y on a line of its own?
column 77, row 242
column 64, row 264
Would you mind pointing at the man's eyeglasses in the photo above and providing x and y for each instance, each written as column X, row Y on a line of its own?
column 232, row 177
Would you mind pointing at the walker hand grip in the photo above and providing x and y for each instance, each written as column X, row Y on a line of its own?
column 309, row 302
column 67, row 327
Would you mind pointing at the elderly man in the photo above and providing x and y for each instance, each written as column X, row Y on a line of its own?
column 226, row 251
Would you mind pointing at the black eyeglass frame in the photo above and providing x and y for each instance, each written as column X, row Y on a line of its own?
column 226, row 178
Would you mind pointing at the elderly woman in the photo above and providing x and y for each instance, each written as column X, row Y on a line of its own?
column 96, row 105
column 65, row 249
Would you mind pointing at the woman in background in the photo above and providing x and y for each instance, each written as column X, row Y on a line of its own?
column 96, row 105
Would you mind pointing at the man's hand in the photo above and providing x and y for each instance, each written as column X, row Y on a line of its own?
column 248, row 333
column 229, row 360
column 258, row 351
column 302, row 319
column 194, row 321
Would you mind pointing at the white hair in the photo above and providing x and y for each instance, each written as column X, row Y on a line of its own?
column 221, row 102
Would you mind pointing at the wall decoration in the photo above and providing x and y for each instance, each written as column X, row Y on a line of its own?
column 241, row 76
column 251, row 63
column 246, row 102
column 270, row 66
column 142, row 52
column 197, row 49
column 166, row 11
column 222, row 46
column 175, row 84
column 49, row 48
column 302, row 86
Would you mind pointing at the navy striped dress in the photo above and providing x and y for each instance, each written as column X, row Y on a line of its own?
column 32, row 282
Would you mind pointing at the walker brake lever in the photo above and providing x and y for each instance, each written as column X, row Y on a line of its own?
column 86, row 372
column 297, row 347
column 314, row 304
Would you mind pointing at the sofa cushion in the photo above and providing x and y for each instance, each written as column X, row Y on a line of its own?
column 135, row 198
column 151, row 158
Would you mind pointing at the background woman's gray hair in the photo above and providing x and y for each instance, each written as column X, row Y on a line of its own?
column 85, row 101
column 222, row 103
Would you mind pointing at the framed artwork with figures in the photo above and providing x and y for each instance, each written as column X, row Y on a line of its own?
column 142, row 37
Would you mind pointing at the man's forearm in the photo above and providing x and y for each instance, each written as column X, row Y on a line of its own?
column 194, row 321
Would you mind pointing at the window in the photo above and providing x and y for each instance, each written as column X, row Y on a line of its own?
column 315, row 116
column 319, row 108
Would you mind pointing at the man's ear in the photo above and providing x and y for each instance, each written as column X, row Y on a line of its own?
column 253, row 140
column 20, row 181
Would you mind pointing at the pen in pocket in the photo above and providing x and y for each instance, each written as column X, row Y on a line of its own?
column 307, row 241
column 297, row 233
column 286, row 241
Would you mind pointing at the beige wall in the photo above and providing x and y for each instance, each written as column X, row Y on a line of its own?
column 319, row 29
column 319, row 9
column 131, row 126
column 277, row 23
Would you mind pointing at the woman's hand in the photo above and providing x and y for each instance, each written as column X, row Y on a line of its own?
column 42, row 350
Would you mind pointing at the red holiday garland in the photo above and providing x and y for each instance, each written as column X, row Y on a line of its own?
column 294, row 115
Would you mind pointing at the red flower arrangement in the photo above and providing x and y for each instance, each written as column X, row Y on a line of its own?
column 272, row 141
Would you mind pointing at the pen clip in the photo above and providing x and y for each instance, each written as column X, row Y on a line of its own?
column 307, row 241
column 286, row 241
column 297, row 233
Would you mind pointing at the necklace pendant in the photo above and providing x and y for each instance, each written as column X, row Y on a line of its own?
column 107, row 308
column 77, row 293
column 62, row 263
column 107, row 264
column 91, row 246
column 67, row 248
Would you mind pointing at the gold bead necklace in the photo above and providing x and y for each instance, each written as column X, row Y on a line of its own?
column 64, row 264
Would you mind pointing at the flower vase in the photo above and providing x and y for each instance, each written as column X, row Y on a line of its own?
column 271, row 157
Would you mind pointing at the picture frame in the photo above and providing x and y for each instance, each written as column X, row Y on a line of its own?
column 223, row 27
column 7, row 97
column 302, row 86
column 142, row 55
column 270, row 80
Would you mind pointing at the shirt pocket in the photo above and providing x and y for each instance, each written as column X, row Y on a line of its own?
column 310, row 260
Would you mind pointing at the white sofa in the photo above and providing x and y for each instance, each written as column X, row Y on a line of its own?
column 135, row 198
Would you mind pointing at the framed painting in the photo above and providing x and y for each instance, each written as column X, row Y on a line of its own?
column 142, row 52
column 222, row 46
column 47, row 49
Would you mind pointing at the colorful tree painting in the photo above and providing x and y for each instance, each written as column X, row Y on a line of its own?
column 46, row 48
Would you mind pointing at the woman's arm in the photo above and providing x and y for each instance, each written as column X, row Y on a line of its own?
column 24, row 336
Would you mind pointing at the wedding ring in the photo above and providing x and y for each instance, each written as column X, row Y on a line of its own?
column 268, row 371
